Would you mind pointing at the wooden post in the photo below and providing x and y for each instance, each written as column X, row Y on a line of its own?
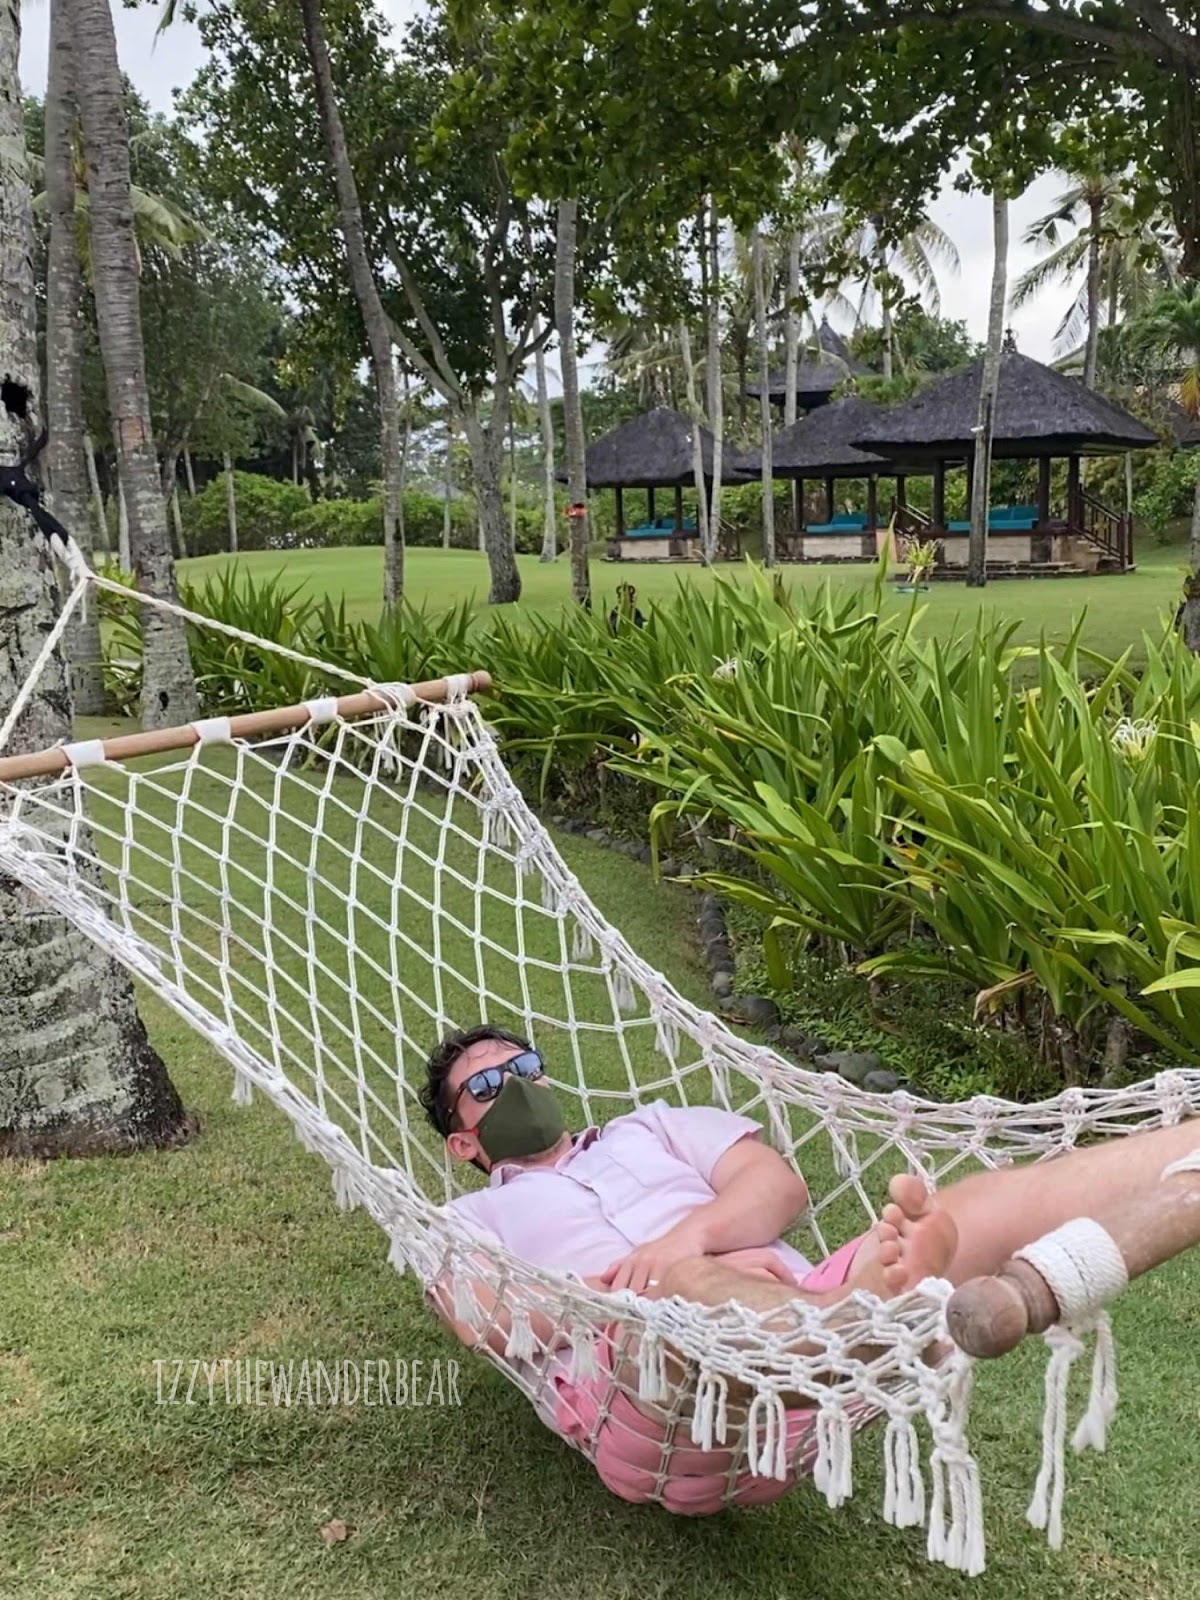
column 650, row 504
column 1044, row 489
column 938, row 514
column 1074, row 509
column 970, row 478
column 620, row 512
column 678, row 509
column 872, row 502
column 828, row 499
column 901, row 491
column 798, row 503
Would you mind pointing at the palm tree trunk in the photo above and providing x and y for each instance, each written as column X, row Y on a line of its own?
column 64, row 355
column 716, row 416
column 793, row 330
column 885, row 305
column 124, row 553
column 177, row 520
column 564, row 321
column 97, row 498
column 366, row 293
column 764, row 369
column 77, row 1073
column 1094, row 292
column 168, row 688
column 485, row 441
column 693, row 404
column 981, row 483
column 546, row 421
column 447, row 519
column 231, row 504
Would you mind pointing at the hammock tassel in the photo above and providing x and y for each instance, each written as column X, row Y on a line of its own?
column 521, row 1345
column 1092, row 1432
column 582, row 948
column 466, row 1306
column 344, row 1196
column 396, row 1257
column 623, row 991
column 709, row 1419
column 243, row 1091
column 904, row 1487
column 1045, row 1509
column 845, row 1155
column 666, row 1037
column 585, row 1359
column 767, row 1422
column 832, row 1474
column 652, row 1369
column 956, row 1502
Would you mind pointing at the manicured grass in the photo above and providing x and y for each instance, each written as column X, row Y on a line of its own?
column 1118, row 608
column 232, row 1247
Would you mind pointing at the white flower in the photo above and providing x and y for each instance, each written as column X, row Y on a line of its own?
column 1134, row 738
column 726, row 669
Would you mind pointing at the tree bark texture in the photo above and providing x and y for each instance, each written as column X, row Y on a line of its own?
column 981, row 483
column 546, row 422
column 366, row 293
column 792, row 330
column 1094, row 292
column 64, row 356
column 689, row 376
column 716, row 409
column 231, row 504
column 97, row 498
column 447, row 513
column 764, row 368
column 168, row 688
column 77, row 1073
column 567, row 226
column 485, row 441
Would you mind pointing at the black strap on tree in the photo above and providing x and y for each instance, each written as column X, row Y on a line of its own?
column 16, row 485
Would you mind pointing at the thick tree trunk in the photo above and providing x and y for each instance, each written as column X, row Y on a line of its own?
column 366, row 293
column 564, row 321
column 693, row 403
column 981, row 483
column 447, row 513
column 764, row 367
column 546, row 422
column 64, row 356
column 716, row 409
column 168, row 688
column 486, row 444
column 792, row 330
column 189, row 475
column 97, row 498
column 1094, row 293
column 231, row 504
column 77, row 1074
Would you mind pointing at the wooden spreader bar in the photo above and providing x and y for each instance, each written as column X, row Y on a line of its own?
column 251, row 725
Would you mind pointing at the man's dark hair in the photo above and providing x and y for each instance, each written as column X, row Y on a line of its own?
column 437, row 1069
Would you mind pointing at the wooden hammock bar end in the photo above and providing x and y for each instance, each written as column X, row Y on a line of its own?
column 251, row 725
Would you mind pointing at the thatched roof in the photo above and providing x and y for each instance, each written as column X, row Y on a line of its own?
column 654, row 451
column 1184, row 428
column 1039, row 412
column 818, row 446
column 818, row 372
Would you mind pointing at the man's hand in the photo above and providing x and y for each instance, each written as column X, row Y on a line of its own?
column 644, row 1267
column 761, row 1262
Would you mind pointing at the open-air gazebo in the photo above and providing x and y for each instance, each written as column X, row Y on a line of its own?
column 654, row 452
column 1041, row 415
column 819, row 448
column 818, row 372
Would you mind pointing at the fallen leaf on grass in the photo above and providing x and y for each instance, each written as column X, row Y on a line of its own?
column 335, row 1532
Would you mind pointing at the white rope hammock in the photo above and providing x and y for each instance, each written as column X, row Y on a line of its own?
column 322, row 903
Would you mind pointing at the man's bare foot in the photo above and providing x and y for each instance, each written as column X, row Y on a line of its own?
column 913, row 1239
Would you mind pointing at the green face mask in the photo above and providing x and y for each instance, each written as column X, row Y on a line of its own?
column 523, row 1121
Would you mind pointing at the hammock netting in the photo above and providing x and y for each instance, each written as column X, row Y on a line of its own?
column 323, row 904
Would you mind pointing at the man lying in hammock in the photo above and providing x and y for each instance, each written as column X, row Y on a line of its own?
column 690, row 1202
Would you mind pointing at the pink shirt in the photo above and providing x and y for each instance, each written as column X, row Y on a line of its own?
column 616, row 1187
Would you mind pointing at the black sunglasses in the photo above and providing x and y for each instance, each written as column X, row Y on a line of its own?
column 486, row 1084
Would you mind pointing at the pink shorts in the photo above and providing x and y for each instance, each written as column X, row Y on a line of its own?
column 627, row 1446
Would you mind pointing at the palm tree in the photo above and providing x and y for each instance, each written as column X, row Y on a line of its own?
column 168, row 689
column 566, row 231
column 889, row 260
column 1174, row 320
column 546, row 423
column 77, row 1074
column 366, row 292
column 64, row 352
column 1114, row 262
column 988, row 388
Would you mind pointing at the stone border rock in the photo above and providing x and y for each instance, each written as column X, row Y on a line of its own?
column 863, row 1068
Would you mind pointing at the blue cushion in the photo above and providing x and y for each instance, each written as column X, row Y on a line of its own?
column 849, row 519
column 836, row 527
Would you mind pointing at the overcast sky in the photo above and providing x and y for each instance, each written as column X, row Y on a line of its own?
column 159, row 65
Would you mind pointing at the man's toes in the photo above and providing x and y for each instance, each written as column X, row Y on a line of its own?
column 908, row 1191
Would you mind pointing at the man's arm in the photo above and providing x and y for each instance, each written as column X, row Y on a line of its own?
column 757, row 1197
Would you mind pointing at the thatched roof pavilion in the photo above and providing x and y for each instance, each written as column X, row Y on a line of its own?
column 1040, row 414
column 818, row 372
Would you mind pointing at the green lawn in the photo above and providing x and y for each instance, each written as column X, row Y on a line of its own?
column 232, row 1247
column 1118, row 608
